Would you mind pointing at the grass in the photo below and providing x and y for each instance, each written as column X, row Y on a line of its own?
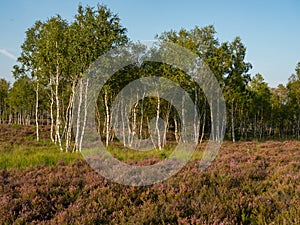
column 21, row 157
column 20, row 150
column 127, row 155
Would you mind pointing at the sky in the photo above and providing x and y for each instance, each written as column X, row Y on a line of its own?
column 268, row 28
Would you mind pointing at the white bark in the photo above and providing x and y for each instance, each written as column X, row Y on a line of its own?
column 166, row 124
column 57, row 110
column 150, row 133
column 37, row 110
column 134, row 120
column 156, row 124
column 141, row 121
column 176, row 129
column 203, row 125
column 76, row 146
column 51, row 110
column 183, row 129
column 196, row 119
column 232, row 122
column 129, row 130
column 98, row 117
column 123, row 123
column 69, row 119
column 85, row 114
column 107, row 117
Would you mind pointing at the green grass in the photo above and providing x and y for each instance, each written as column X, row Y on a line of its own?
column 23, row 156
column 125, row 154
column 32, row 154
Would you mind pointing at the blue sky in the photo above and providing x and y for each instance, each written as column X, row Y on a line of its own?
column 268, row 28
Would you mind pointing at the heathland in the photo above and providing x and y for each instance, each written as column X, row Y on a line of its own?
column 248, row 183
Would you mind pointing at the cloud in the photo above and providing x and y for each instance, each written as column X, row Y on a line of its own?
column 7, row 54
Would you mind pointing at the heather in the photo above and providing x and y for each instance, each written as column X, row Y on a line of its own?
column 248, row 183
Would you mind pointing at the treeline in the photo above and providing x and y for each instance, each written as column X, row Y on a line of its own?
column 56, row 53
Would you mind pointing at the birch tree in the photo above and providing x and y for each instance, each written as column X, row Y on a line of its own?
column 30, row 64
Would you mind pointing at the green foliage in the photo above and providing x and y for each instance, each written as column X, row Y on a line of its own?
column 56, row 53
column 4, row 87
column 21, row 97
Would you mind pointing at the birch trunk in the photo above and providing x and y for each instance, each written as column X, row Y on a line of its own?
column 98, row 117
column 69, row 119
column 134, row 120
column 183, row 129
column 232, row 122
column 37, row 110
column 141, row 121
column 166, row 124
column 76, row 145
column 150, row 133
column 85, row 114
column 107, row 117
column 57, row 109
column 156, row 124
column 203, row 125
column 196, row 120
column 123, row 123
column 176, row 129
column 51, row 110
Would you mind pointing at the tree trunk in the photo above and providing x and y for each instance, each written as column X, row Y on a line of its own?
column 232, row 122
column 156, row 124
column 58, row 122
column 37, row 110
column 166, row 123
column 203, row 124
column 51, row 110
column 123, row 122
column 69, row 119
column 107, row 117
column 183, row 128
column 150, row 133
column 196, row 120
column 176, row 129
column 141, row 121
column 134, row 124
column 98, row 117
column 85, row 114
column 76, row 146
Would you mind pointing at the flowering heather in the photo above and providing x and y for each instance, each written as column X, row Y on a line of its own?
column 248, row 183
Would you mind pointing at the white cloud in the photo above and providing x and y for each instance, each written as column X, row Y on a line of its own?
column 7, row 54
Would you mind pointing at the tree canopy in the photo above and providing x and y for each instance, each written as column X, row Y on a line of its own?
column 56, row 53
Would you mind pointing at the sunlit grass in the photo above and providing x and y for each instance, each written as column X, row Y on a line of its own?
column 127, row 154
column 43, row 153
column 23, row 156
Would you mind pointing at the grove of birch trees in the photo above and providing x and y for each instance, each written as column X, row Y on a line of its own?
column 56, row 53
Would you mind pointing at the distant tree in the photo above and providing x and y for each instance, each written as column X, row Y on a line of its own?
column 4, row 87
column 21, row 99
column 260, row 105
column 236, row 82
column 293, row 93
column 280, row 111
column 30, row 64
column 226, row 61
